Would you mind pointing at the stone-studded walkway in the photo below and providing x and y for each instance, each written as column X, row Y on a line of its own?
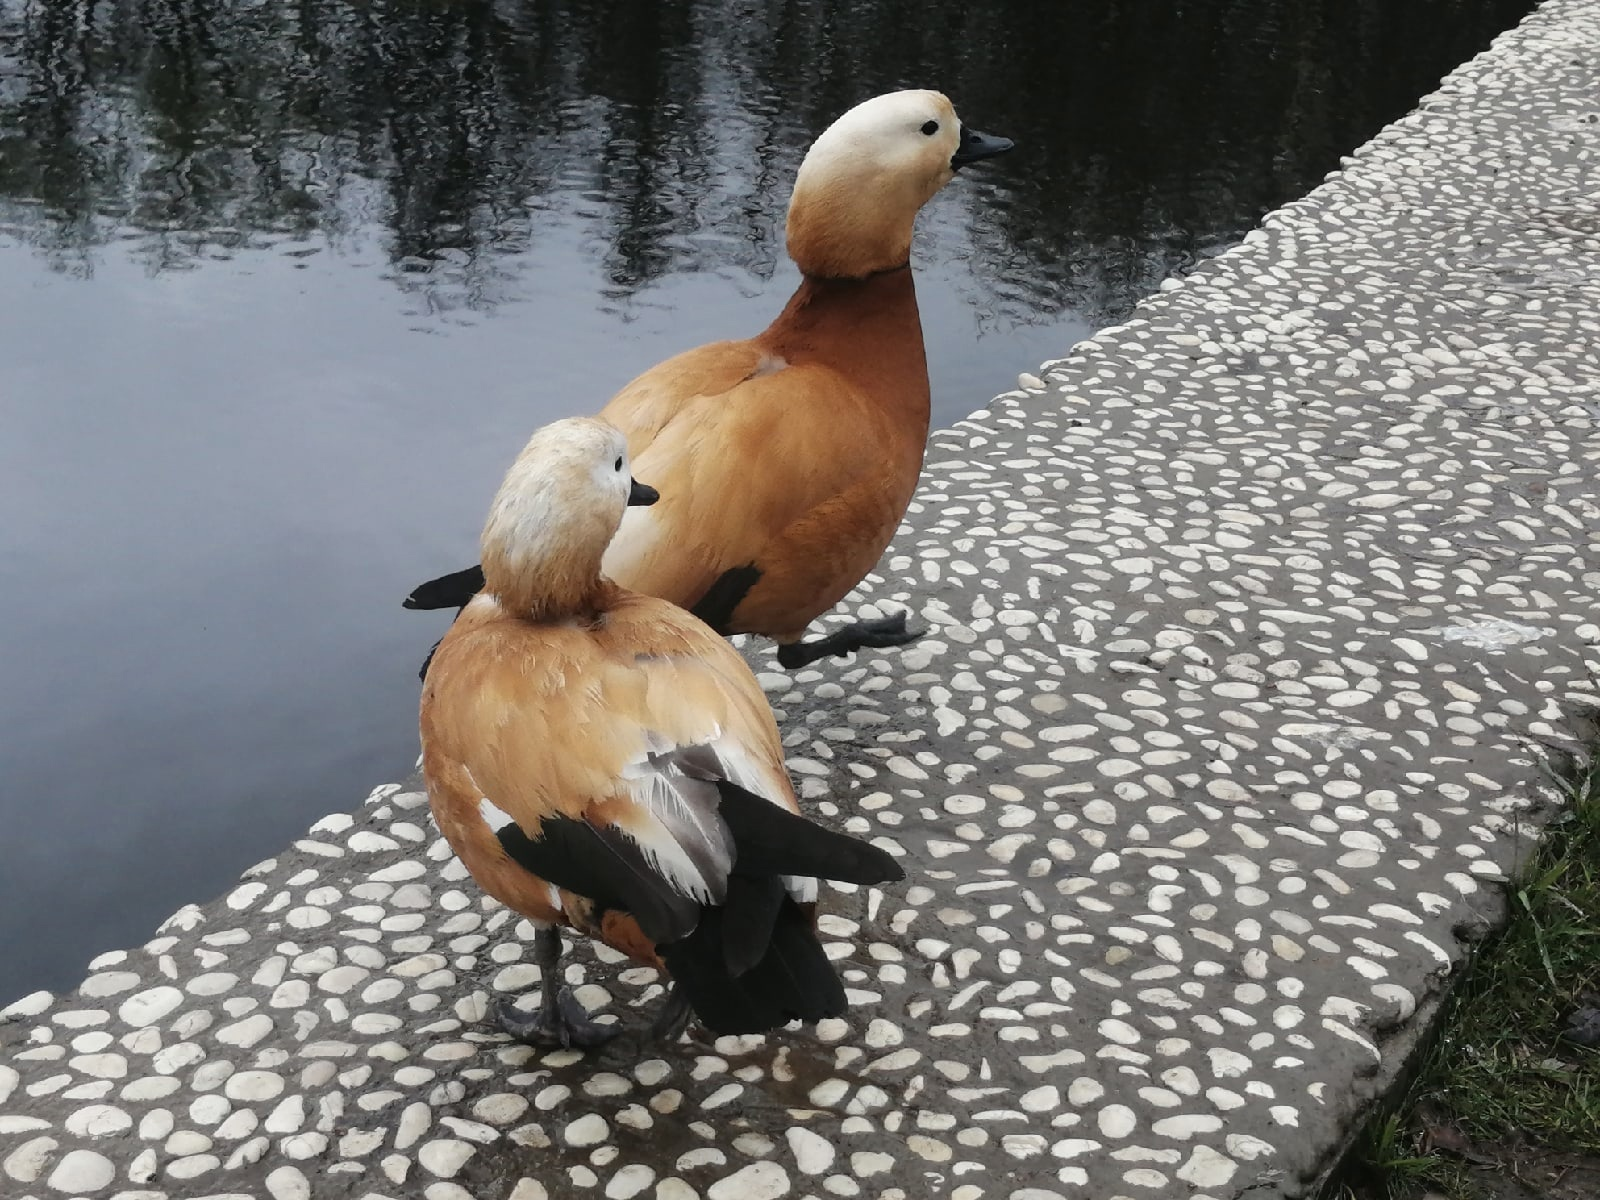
column 1247, row 618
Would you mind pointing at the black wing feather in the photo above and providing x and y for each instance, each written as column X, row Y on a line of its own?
column 751, row 912
column 749, row 965
column 724, row 595
column 607, row 867
column 769, row 840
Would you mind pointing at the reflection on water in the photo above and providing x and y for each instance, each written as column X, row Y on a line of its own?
column 672, row 129
column 283, row 285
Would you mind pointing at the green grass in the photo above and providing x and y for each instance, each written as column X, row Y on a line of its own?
column 1498, row 1072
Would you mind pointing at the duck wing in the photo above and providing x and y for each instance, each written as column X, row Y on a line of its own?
column 642, row 777
column 796, row 455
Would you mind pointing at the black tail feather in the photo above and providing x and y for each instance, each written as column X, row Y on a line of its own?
column 422, row 673
column 447, row 591
column 750, row 914
column 793, row 979
column 754, row 963
column 769, row 840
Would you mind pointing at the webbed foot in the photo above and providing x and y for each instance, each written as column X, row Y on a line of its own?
column 672, row 1019
column 559, row 1021
column 877, row 633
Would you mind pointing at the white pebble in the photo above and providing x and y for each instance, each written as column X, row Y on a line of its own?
column 253, row 1086
column 288, row 1183
column 149, row 1006
column 629, row 1182
column 813, row 1154
column 27, row 1161
column 1117, row 1120
column 98, row 1120
column 588, row 1130
column 1207, row 1169
column 758, row 1181
column 445, row 1156
column 83, row 1170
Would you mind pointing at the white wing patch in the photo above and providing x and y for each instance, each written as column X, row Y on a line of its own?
column 496, row 818
column 687, row 841
column 750, row 773
column 684, row 840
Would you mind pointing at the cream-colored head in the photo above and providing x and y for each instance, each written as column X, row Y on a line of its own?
column 867, row 176
column 552, row 518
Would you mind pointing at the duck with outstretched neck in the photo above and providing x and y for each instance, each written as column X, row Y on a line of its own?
column 602, row 761
column 787, row 460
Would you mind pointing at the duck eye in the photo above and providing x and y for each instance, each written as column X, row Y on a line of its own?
column 931, row 128
column 619, row 462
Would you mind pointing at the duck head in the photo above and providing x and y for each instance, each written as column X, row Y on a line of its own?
column 867, row 176
column 554, row 515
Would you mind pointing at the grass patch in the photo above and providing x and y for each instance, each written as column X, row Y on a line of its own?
column 1501, row 1086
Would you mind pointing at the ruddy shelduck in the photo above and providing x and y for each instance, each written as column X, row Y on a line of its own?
column 601, row 760
column 786, row 461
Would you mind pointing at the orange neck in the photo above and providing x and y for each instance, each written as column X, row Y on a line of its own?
column 869, row 330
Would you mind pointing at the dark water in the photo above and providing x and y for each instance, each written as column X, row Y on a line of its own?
column 284, row 285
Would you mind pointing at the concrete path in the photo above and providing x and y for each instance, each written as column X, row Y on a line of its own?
column 1249, row 620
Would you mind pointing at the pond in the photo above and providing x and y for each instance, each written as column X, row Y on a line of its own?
column 283, row 288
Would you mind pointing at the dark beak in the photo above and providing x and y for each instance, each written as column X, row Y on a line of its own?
column 642, row 494
column 975, row 147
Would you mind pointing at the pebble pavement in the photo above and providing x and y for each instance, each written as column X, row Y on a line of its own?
column 1252, row 623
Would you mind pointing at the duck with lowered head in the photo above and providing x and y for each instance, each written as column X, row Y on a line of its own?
column 787, row 460
column 601, row 760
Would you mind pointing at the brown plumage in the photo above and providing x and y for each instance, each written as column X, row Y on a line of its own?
column 601, row 760
column 804, row 471
column 786, row 461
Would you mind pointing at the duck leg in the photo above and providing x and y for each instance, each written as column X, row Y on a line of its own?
column 885, row 631
column 673, row 1018
column 560, row 1020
